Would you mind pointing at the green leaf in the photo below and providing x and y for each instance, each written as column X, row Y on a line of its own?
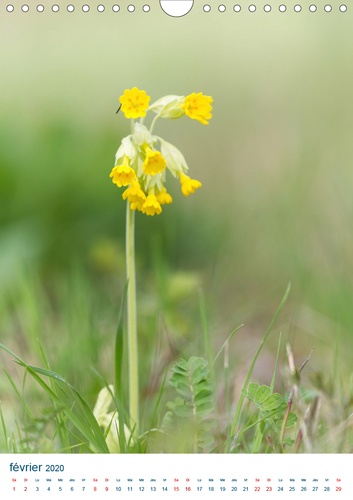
column 262, row 393
column 252, row 390
column 203, row 394
column 273, row 402
column 288, row 441
column 191, row 381
column 277, row 421
column 204, row 408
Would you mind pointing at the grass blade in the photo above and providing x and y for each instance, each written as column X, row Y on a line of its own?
column 238, row 409
column 225, row 343
column 76, row 410
column 206, row 336
column 276, row 362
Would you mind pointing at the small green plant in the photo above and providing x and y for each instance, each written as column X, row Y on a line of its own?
column 194, row 403
column 271, row 416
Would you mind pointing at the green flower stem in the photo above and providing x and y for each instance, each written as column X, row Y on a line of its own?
column 154, row 121
column 131, row 319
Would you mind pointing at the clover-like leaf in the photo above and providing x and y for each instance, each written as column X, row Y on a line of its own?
column 252, row 389
column 262, row 393
column 273, row 402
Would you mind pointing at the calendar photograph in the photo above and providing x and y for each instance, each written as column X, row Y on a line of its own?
column 176, row 244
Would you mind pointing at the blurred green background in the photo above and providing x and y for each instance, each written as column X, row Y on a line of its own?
column 276, row 204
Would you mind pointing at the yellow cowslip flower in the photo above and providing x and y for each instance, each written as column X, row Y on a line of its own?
column 151, row 205
column 163, row 197
column 198, row 107
column 134, row 103
column 123, row 175
column 135, row 196
column 154, row 162
column 188, row 186
column 144, row 159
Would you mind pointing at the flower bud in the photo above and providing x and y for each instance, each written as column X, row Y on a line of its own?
column 176, row 162
column 126, row 149
column 141, row 135
column 169, row 106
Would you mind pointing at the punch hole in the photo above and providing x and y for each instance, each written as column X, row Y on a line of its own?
column 146, row 8
column 85, row 8
column 343, row 8
column 282, row 8
column 176, row 8
column 40, row 8
column 297, row 8
column 312, row 8
column 131, row 8
column 25, row 8
column 267, row 8
column 252, row 8
column 115, row 8
column 206, row 8
column 327, row 8
column 100, row 8
column 10, row 8
column 55, row 8
column 70, row 8
column 222, row 8
column 237, row 8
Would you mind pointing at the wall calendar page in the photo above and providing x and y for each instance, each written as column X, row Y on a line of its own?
column 176, row 270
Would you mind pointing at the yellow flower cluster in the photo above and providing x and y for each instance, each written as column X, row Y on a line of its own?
column 142, row 167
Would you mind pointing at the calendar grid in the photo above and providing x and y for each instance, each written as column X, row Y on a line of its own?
column 176, row 476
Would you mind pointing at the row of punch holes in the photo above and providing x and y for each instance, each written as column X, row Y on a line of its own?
column 206, row 8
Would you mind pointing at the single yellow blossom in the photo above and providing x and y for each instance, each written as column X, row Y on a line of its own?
column 151, row 205
column 134, row 103
column 154, row 162
column 198, row 107
column 123, row 175
column 135, row 196
column 188, row 186
column 163, row 197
